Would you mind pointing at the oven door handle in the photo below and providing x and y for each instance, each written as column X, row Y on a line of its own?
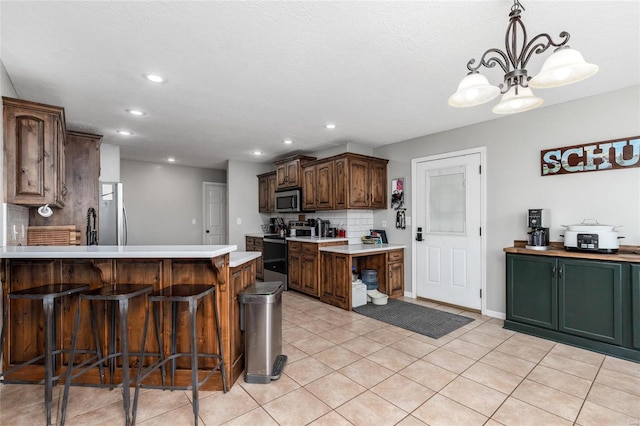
column 267, row 240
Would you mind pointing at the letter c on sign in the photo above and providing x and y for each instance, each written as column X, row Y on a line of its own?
column 565, row 160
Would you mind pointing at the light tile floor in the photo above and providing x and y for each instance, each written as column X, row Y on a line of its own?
column 345, row 369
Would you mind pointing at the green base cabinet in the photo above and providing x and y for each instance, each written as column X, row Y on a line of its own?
column 635, row 305
column 591, row 299
column 587, row 303
column 532, row 290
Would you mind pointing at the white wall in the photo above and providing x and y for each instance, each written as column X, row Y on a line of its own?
column 514, row 183
column 242, row 196
column 162, row 200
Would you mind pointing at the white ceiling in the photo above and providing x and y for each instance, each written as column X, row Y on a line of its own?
column 243, row 76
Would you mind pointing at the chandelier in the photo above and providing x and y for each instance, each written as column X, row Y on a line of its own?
column 564, row 66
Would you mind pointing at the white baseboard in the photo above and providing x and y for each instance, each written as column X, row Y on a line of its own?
column 495, row 314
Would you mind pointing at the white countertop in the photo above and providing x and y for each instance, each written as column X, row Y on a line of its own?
column 113, row 252
column 316, row 240
column 362, row 248
column 237, row 258
column 256, row 234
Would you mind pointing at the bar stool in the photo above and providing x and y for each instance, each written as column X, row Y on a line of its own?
column 192, row 294
column 49, row 294
column 116, row 296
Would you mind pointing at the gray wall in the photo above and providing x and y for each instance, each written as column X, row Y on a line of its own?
column 242, row 196
column 162, row 200
column 514, row 184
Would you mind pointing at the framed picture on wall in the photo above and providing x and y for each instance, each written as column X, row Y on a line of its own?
column 397, row 193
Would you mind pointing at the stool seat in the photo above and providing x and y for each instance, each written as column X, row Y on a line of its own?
column 48, row 291
column 174, row 295
column 181, row 293
column 115, row 295
column 48, row 294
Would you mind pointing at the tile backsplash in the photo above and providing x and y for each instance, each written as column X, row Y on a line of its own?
column 356, row 222
column 16, row 223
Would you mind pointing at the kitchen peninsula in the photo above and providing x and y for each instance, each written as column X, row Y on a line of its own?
column 26, row 267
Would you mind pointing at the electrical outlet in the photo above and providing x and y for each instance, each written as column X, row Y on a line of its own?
column 407, row 220
column 384, row 223
column 193, row 221
column 239, row 221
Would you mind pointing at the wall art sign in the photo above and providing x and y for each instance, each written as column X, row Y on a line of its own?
column 591, row 157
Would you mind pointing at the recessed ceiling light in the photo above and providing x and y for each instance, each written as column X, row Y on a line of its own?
column 124, row 132
column 154, row 77
column 135, row 112
column 171, row 160
column 330, row 126
column 257, row 152
column 287, row 141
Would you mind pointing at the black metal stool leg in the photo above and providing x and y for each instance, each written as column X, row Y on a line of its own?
column 174, row 338
column 223, row 371
column 47, row 305
column 112, row 341
column 156, row 320
column 124, row 347
column 96, row 338
column 193, row 311
column 72, row 352
column 5, row 317
column 136, row 393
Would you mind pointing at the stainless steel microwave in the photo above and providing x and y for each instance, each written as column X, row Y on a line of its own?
column 288, row 201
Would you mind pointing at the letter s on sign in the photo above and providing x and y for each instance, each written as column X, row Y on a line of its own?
column 551, row 162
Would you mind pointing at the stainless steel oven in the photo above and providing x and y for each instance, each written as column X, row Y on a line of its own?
column 275, row 260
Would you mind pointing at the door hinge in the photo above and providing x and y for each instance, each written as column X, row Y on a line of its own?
column 480, row 293
column 479, row 170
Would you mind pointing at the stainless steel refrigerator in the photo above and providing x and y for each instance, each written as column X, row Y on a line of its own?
column 112, row 216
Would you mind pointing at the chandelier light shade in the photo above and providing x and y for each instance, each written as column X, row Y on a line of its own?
column 564, row 66
column 517, row 99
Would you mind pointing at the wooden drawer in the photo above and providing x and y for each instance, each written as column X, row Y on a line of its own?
column 258, row 243
column 309, row 248
column 295, row 246
column 395, row 256
column 250, row 241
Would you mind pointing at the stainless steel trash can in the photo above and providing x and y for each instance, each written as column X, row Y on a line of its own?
column 261, row 321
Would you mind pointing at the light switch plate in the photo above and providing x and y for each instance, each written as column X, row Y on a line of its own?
column 239, row 221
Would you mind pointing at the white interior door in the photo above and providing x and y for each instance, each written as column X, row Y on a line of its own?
column 449, row 213
column 215, row 213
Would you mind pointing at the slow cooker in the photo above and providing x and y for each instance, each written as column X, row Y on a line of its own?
column 591, row 236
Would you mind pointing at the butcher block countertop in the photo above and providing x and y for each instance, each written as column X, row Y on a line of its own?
column 625, row 253
column 115, row 252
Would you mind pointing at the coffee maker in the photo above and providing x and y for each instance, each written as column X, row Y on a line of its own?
column 538, row 221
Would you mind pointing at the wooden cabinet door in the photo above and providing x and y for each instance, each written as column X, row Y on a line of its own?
column 281, row 174
column 590, row 300
column 359, row 183
column 378, row 174
column 263, row 194
column 396, row 279
column 342, row 277
column 532, row 290
column 309, row 274
column 235, row 336
column 293, row 173
column 294, row 279
column 324, row 186
column 341, row 200
column 34, row 138
column 271, row 193
column 258, row 246
column 309, row 188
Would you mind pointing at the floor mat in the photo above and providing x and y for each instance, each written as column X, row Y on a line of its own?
column 413, row 317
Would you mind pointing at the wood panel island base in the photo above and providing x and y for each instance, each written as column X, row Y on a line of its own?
column 97, row 266
column 336, row 263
